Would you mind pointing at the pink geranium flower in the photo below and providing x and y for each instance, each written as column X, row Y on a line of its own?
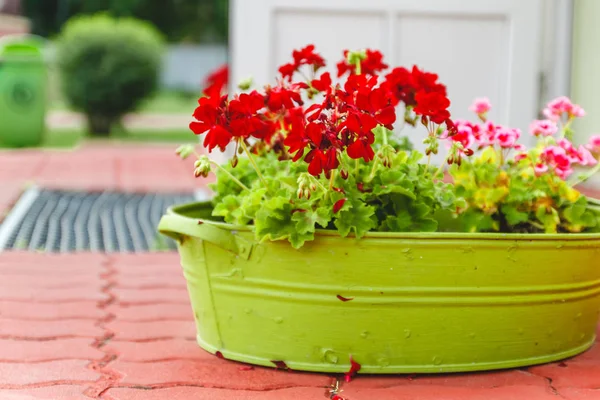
column 562, row 105
column 481, row 106
column 544, row 127
column 594, row 144
column 557, row 158
column 540, row 169
column 587, row 158
column 507, row 137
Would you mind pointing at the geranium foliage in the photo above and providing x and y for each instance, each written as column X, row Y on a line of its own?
column 317, row 150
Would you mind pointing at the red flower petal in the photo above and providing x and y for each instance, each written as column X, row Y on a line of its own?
column 199, row 127
column 342, row 298
column 280, row 364
column 315, row 167
column 314, row 131
column 338, row 205
column 387, row 116
column 354, row 368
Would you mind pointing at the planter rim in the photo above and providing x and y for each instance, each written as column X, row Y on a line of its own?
column 178, row 212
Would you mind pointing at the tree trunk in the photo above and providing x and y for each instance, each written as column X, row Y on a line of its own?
column 100, row 125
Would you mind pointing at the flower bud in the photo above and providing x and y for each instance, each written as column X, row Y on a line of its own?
column 355, row 57
column 234, row 161
column 344, row 174
column 300, row 193
column 184, row 151
column 468, row 152
column 202, row 167
column 199, row 172
column 245, row 84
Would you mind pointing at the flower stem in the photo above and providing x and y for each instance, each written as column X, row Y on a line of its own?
column 253, row 162
column 356, row 167
column 440, row 170
column 358, row 68
column 331, row 179
column 587, row 176
column 233, row 178
column 385, row 138
column 372, row 174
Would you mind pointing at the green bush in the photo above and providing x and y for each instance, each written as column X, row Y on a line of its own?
column 108, row 66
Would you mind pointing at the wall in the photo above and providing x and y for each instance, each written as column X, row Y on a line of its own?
column 10, row 25
column 186, row 66
column 586, row 66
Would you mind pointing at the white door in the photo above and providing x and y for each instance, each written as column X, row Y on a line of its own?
column 478, row 47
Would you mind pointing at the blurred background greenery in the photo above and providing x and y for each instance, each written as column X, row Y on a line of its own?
column 192, row 21
column 109, row 59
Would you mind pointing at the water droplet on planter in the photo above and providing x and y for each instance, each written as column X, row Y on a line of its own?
column 560, row 246
column 581, row 335
column 520, row 331
column 407, row 333
column 247, row 311
column 437, row 360
column 330, row 356
column 278, row 320
column 472, row 335
column 384, row 362
column 551, row 332
column 364, row 334
column 578, row 315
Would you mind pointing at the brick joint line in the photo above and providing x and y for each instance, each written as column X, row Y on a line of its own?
column 108, row 376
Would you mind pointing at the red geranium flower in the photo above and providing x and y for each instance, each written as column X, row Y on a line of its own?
column 377, row 103
column 427, row 81
column 372, row 64
column 210, row 120
column 323, row 84
column 433, row 106
column 401, row 84
column 282, row 97
column 321, row 161
column 287, row 71
column 244, row 121
column 362, row 148
column 216, row 81
column 307, row 56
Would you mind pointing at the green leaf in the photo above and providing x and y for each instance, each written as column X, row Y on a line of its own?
column 228, row 208
column 358, row 219
column 514, row 216
column 575, row 211
column 399, row 223
column 306, row 221
column 250, row 204
column 550, row 219
column 476, row 221
column 425, row 225
column 274, row 222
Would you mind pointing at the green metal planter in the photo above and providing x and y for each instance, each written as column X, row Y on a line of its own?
column 395, row 302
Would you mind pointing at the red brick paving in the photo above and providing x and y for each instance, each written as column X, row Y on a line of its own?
column 120, row 327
